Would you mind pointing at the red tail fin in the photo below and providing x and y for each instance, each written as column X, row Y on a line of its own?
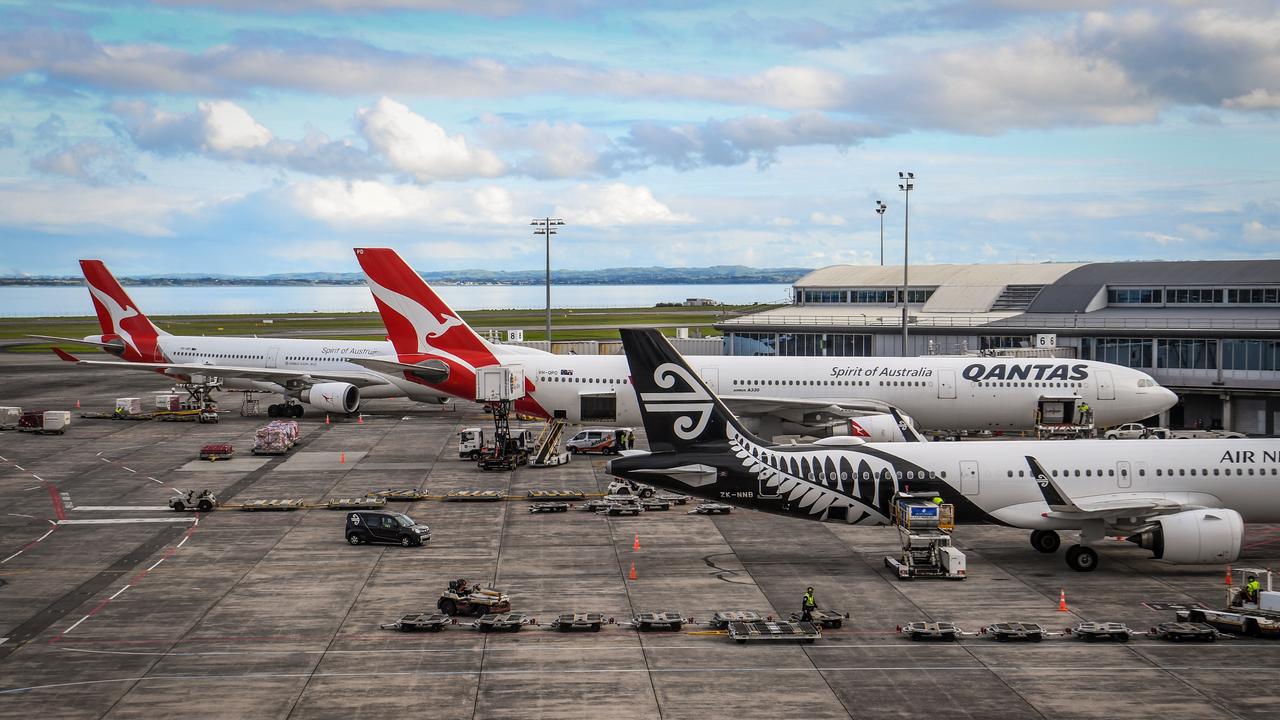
column 118, row 316
column 419, row 322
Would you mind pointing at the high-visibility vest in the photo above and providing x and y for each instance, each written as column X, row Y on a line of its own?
column 808, row 600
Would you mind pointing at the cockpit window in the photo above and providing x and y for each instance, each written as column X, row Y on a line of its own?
column 1146, row 382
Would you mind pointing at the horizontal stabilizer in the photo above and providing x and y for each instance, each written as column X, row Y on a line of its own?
column 80, row 341
column 691, row 475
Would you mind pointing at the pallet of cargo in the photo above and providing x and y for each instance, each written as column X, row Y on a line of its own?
column 744, row 632
column 420, row 622
column 475, row 496
column 400, row 495
column 356, row 503
column 829, row 619
column 668, row 620
column 176, row 415
column 283, row 504
column 673, row 498
column 217, row 451
column 556, row 494
column 1006, row 631
column 549, row 507
column 565, row 622
column 654, row 503
column 722, row 618
column 508, row 621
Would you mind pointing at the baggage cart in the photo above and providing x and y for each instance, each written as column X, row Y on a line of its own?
column 549, row 507
column 616, row 509
column 594, row 505
column 673, row 498
column 217, row 451
column 722, row 618
column 711, row 508
column 402, row 495
column 508, row 622
column 1093, row 631
column 921, row 630
column 543, row 494
column 565, row 622
column 1179, row 631
column 829, row 619
column 9, row 417
column 1006, row 631
column 356, row 503
column 646, row 621
column 420, row 622
column 654, row 504
column 282, row 505
column 475, row 496
column 743, row 632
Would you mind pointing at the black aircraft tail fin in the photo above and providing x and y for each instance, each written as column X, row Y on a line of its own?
column 680, row 412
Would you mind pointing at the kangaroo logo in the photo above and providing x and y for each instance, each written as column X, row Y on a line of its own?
column 119, row 314
column 425, row 323
column 696, row 400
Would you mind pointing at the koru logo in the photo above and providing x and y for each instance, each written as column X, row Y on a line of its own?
column 695, row 400
column 355, row 519
column 1042, row 480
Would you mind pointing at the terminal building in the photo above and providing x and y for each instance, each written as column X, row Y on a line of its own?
column 1209, row 330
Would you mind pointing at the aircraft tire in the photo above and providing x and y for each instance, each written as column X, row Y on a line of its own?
column 1082, row 558
column 273, row 411
column 1046, row 541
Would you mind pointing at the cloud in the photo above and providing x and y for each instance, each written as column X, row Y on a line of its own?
column 421, row 148
column 1256, row 99
column 91, row 161
column 6, row 138
column 821, row 218
column 71, row 209
column 1163, row 239
column 372, row 203
column 51, row 130
column 549, row 149
column 616, row 204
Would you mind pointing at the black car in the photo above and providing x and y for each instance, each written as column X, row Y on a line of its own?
column 373, row 526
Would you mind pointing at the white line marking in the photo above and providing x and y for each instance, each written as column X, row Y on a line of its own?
column 123, row 508
column 6, row 460
column 20, row 467
column 157, row 564
column 3, row 640
column 155, row 481
column 37, row 477
column 184, row 541
column 129, row 469
column 118, row 592
column 105, row 460
column 123, row 521
column 77, row 623
column 21, row 515
column 10, row 557
column 46, row 534
column 34, row 487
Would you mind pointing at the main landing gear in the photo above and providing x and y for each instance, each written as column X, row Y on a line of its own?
column 284, row 410
column 1080, row 558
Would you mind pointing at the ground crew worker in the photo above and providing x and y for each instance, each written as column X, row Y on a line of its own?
column 1086, row 414
column 1252, row 588
column 937, row 501
column 807, row 606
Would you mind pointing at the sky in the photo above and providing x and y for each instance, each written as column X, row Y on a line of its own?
column 268, row 136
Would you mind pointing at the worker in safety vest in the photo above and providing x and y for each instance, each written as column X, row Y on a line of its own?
column 1086, row 414
column 1251, row 589
column 807, row 606
column 937, row 500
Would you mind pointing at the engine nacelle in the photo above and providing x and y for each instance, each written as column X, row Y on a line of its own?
column 871, row 428
column 335, row 397
column 1194, row 537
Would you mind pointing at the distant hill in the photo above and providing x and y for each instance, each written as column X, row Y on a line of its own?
column 715, row 275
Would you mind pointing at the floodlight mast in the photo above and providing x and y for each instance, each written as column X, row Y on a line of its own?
column 547, row 229
column 907, row 183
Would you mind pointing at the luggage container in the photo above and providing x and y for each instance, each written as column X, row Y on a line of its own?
column 217, row 451
column 169, row 402
column 9, row 417
column 56, row 421
column 129, row 405
column 31, row 421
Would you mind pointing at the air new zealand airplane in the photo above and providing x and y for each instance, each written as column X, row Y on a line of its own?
column 1186, row 501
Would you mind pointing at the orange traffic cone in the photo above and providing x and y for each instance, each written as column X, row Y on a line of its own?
column 1062, row 601
column 326, row 419
column 342, row 458
column 360, row 419
column 1228, row 576
column 636, row 545
column 632, row 576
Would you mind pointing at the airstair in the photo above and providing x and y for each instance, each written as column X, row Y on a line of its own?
column 546, row 450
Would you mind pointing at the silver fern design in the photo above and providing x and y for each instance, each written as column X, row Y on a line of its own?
column 817, row 479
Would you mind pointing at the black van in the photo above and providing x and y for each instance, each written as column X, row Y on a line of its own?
column 373, row 526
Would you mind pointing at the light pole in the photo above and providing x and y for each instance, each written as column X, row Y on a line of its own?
column 548, row 229
column 907, row 183
column 880, row 208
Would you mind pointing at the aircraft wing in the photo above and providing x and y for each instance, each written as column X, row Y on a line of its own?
column 433, row 371
column 1109, row 506
column 276, row 375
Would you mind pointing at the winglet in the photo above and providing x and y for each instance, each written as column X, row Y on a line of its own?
column 1053, row 495
column 909, row 433
column 64, row 355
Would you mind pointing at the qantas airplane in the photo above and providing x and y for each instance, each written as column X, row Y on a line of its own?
column 816, row 396
column 1187, row 501
column 317, row 372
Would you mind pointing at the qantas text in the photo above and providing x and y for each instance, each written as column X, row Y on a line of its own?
column 1039, row 371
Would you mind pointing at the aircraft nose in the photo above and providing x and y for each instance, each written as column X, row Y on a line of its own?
column 1167, row 398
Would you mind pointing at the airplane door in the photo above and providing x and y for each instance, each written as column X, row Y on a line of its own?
column 272, row 353
column 711, row 377
column 1106, row 387
column 1124, row 478
column 969, row 477
column 946, row 384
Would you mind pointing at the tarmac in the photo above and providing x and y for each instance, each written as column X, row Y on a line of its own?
column 113, row 606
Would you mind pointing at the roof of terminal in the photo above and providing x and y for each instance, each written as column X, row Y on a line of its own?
column 870, row 276
column 1076, row 289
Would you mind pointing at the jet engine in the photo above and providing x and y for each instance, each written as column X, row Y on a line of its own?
column 871, row 428
column 335, row 397
column 1194, row 537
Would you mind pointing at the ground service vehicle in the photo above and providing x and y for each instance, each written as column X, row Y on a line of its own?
column 594, row 440
column 192, row 500
column 373, row 526
column 1127, row 431
column 1242, row 614
column 462, row 598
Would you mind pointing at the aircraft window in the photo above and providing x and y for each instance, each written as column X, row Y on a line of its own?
column 1020, row 473
column 1055, row 473
column 866, row 475
column 911, row 475
column 899, row 474
column 1216, row 471
column 1010, row 473
column 1182, row 471
column 1111, row 473
column 1159, row 472
column 1077, row 473
column 944, row 474
column 1193, row 472
column 1142, row 472
column 1250, row 471
column 1089, row 473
